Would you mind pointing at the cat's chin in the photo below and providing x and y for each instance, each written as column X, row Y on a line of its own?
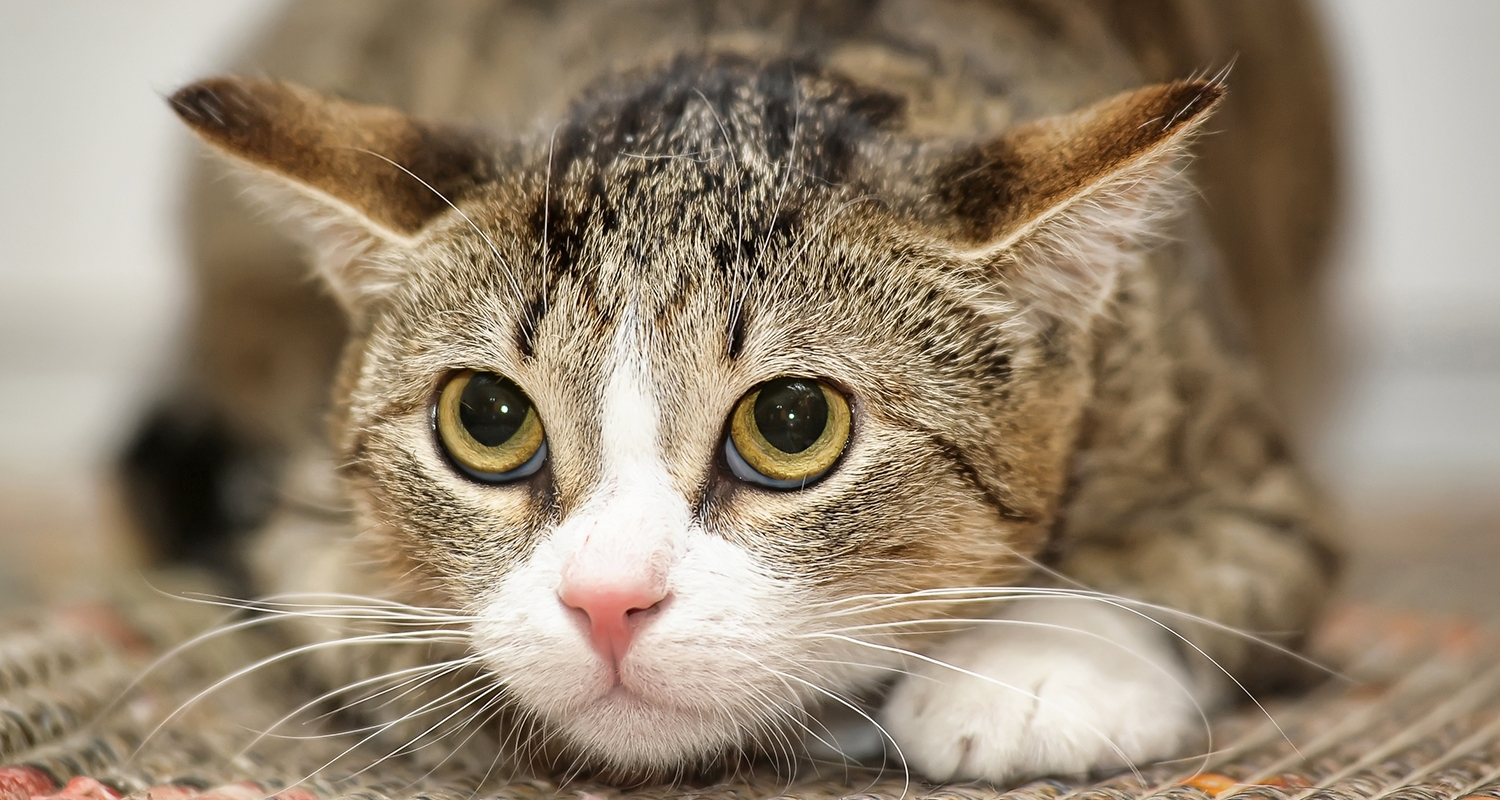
column 624, row 732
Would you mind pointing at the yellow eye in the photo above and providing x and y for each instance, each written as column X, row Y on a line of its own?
column 787, row 433
column 489, row 427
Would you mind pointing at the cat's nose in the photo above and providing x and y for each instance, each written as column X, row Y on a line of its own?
column 616, row 608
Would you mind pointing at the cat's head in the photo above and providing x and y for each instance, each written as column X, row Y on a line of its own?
column 697, row 400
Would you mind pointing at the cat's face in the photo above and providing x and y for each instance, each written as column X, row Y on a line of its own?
column 675, row 401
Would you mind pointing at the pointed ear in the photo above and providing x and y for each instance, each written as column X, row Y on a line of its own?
column 1059, row 205
column 359, row 179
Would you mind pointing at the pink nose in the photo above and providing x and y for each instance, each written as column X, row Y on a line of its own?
column 615, row 609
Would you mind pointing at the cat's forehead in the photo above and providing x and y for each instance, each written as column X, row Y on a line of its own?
column 761, row 117
column 704, row 165
column 714, row 186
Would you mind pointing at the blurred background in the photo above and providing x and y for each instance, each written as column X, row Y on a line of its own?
column 92, row 283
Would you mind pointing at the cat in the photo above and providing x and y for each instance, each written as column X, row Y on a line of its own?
column 709, row 366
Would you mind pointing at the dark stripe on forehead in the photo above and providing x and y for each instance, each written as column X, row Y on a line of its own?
column 734, row 342
column 526, row 327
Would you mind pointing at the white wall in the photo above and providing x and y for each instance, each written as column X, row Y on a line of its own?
column 90, row 274
column 90, row 269
column 1420, row 289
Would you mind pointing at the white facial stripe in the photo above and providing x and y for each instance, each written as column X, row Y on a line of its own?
column 635, row 503
column 628, row 426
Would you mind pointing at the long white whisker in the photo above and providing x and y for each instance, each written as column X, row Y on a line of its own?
column 885, row 735
column 547, row 213
column 356, row 605
column 498, row 708
column 1197, row 707
column 398, row 638
column 1002, row 684
column 989, row 594
column 795, row 718
column 465, row 702
column 424, row 675
column 1125, row 604
column 739, row 242
column 429, row 706
column 488, row 709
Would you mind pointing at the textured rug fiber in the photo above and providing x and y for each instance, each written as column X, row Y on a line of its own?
column 1413, row 715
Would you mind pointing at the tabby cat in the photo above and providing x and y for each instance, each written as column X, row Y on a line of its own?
column 713, row 366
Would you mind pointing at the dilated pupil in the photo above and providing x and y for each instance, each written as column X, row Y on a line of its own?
column 791, row 413
column 492, row 409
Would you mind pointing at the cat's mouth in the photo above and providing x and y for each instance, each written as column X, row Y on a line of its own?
column 627, row 690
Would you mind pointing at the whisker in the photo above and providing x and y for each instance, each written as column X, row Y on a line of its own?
column 1133, row 607
column 430, row 672
column 797, row 715
column 988, row 594
column 1198, row 707
column 988, row 679
column 509, row 273
column 364, row 607
column 500, row 749
column 885, row 735
column 488, row 709
column 395, row 638
column 429, row 706
column 465, row 702
column 739, row 240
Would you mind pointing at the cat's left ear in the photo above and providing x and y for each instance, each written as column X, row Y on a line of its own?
column 356, row 179
column 1055, row 208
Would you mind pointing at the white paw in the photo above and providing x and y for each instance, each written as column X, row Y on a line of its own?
column 1072, row 686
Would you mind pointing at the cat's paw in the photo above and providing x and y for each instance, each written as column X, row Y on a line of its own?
column 1066, row 687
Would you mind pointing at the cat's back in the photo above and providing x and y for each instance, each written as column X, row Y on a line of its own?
column 963, row 67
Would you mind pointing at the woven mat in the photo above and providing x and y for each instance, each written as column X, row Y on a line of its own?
column 1415, row 716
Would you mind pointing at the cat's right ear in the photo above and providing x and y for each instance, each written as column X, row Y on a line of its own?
column 1056, row 207
column 357, row 180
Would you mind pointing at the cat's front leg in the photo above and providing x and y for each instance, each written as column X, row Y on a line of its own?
column 1054, row 685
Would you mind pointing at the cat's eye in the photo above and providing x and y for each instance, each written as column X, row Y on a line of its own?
column 489, row 427
column 787, row 433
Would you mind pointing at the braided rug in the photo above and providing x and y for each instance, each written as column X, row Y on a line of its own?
column 1415, row 715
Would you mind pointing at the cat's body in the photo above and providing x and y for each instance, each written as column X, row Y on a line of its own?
column 1043, row 379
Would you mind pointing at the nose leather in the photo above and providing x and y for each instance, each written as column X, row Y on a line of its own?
column 616, row 603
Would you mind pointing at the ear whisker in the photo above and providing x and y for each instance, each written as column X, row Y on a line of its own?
column 506, row 268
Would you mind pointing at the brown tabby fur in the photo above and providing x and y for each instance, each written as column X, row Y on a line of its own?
column 902, row 197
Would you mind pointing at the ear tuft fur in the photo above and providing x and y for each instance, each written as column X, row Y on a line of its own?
column 212, row 107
